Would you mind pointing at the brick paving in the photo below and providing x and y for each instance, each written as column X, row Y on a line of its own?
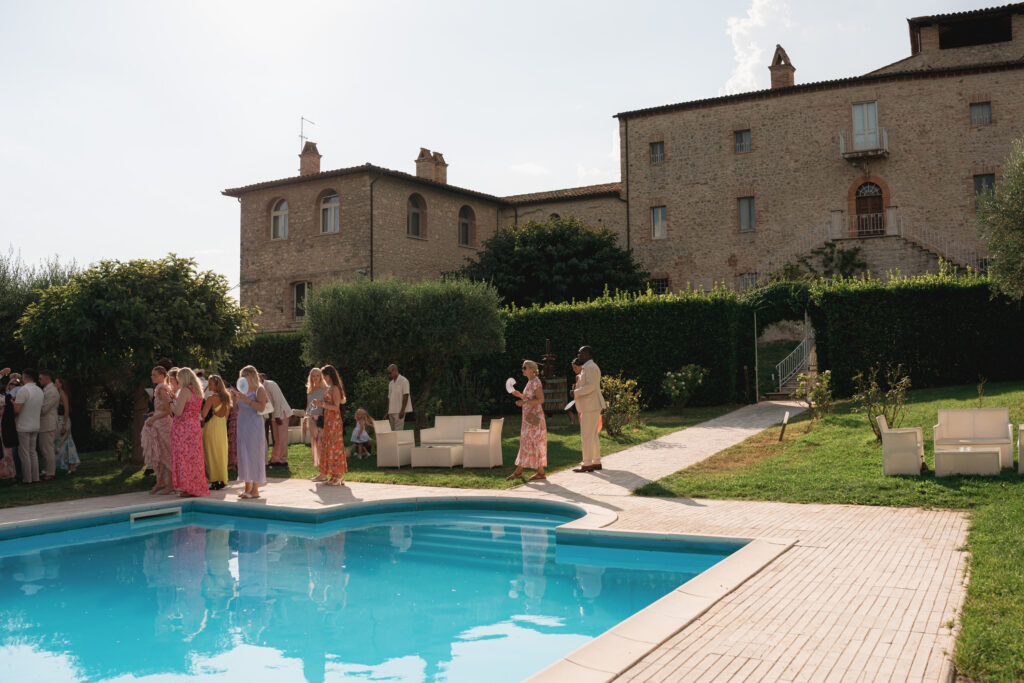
column 866, row 593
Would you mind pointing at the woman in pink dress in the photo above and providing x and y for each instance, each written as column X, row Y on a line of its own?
column 188, row 466
column 533, row 438
column 156, row 432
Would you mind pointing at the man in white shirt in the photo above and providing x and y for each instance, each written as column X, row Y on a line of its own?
column 279, row 422
column 48, row 424
column 27, row 407
column 589, row 403
column 398, row 399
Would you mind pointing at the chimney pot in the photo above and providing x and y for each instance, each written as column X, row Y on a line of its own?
column 781, row 69
column 425, row 164
column 309, row 159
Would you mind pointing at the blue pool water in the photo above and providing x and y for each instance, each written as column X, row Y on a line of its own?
column 407, row 595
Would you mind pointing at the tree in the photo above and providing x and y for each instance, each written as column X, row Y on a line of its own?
column 362, row 326
column 1001, row 219
column 20, row 285
column 109, row 324
column 555, row 261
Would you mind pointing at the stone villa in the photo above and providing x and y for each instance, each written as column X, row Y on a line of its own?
column 725, row 189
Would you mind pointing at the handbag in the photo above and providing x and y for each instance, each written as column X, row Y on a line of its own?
column 532, row 419
column 320, row 421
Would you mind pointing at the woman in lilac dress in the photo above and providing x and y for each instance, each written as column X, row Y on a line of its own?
column 188, row 466
column 251, row 438
column 533, row 439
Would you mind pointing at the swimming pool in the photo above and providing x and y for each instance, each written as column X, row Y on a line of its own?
column 424, row 592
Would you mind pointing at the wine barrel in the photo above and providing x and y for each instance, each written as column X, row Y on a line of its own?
column 555, row 394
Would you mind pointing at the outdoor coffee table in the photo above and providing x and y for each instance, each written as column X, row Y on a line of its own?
column 983, row 460
column 436, row 456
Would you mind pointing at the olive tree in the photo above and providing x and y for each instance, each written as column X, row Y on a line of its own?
column 110, row 323
column 1001, row 219
column 362, row 326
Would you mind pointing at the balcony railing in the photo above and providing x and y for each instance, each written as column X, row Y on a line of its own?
column 856, row 144
column 843, row 226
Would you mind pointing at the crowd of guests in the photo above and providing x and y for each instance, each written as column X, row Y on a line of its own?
column 35, row 426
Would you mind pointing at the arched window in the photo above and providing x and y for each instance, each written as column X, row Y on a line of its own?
column 467, row 226
column 279, row 221
column 553, row 217
column 870, row 213
column 330, row 213
column 416, row 217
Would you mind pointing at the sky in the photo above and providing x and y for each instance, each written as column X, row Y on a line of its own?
column 122, row 120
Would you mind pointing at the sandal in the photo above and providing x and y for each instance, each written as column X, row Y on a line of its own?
column 514, row 475
column 320, row 478
column 538, row 477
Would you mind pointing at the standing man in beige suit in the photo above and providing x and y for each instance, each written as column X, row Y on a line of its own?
column 48, row 424
column 589, row 404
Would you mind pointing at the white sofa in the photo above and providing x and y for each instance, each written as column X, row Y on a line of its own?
column 482, row 447
column 449, row 430
column 902, row 449
column 981, row 428
column 297, row 434
column 394, row 449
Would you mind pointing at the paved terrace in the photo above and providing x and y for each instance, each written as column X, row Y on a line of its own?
column 866, row 593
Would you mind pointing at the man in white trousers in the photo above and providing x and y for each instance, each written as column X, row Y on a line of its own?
column 589, row 404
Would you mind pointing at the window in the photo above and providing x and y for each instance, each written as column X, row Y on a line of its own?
column 748, row 280
column 330, row 214
column 746, row 213
column 981, row 113
column 279, row 221
column 658, row 285
column 984, row 183
column 865, row 125
column 553, row 216
column 467, row 226
column 416, row 217
column 659, row 222
column 742, row 139
column 301, row 290
column 657, row 152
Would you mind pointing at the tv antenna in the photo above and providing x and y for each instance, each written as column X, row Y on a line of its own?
column 302, row 131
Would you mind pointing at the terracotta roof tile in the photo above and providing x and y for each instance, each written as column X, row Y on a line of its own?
column 570, row 193
column 1015, row 7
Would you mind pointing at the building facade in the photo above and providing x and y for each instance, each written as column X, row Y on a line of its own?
column 722, row 190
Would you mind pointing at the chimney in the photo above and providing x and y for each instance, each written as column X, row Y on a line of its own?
column 309, row 159
column 781, row 68
column 440, row 168
column 425, row 164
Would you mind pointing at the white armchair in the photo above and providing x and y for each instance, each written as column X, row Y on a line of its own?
column 902, row 449
column 394, row 449
column 482, row 447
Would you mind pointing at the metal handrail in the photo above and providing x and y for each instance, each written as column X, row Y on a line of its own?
column 872, row 142
column 951, row 250
column 798, row 246
column 797, row 359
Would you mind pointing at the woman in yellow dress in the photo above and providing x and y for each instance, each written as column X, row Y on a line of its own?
column 215, row 432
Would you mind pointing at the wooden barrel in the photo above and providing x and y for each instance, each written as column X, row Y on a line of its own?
column 555, row 394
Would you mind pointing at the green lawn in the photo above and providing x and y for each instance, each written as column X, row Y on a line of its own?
column 100, row 474
column 838, row 461
column 768, row 356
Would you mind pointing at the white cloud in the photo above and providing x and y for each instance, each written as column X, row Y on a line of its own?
column 529, row 168
column 582, row 172
column 748, row 34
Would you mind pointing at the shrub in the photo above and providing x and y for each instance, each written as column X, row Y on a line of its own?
column 370, row 391
column 888, row 398
column 278, row 355
column 816, row 392
column 680, row 385
column 624, row 403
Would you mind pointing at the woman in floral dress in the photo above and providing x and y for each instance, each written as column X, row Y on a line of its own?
column 188, row 467
column 156, row 432
column 533, row 439
column 333, row 461
column 63, row 444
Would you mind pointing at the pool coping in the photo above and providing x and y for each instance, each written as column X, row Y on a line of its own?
column 603, row 658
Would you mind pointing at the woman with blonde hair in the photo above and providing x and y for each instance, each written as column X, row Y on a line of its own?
column 333, row 461
column 533, row 439
column 215, row 432
column 252, row 438
column 156, row 432
column 314, row 420
column 188, row 469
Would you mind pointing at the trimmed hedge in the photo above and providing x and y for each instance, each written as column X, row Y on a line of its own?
column 944, row 329
column 279, row 355
column 642, row 336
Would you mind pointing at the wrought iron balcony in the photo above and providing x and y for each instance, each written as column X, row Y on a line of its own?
column 856, row 144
